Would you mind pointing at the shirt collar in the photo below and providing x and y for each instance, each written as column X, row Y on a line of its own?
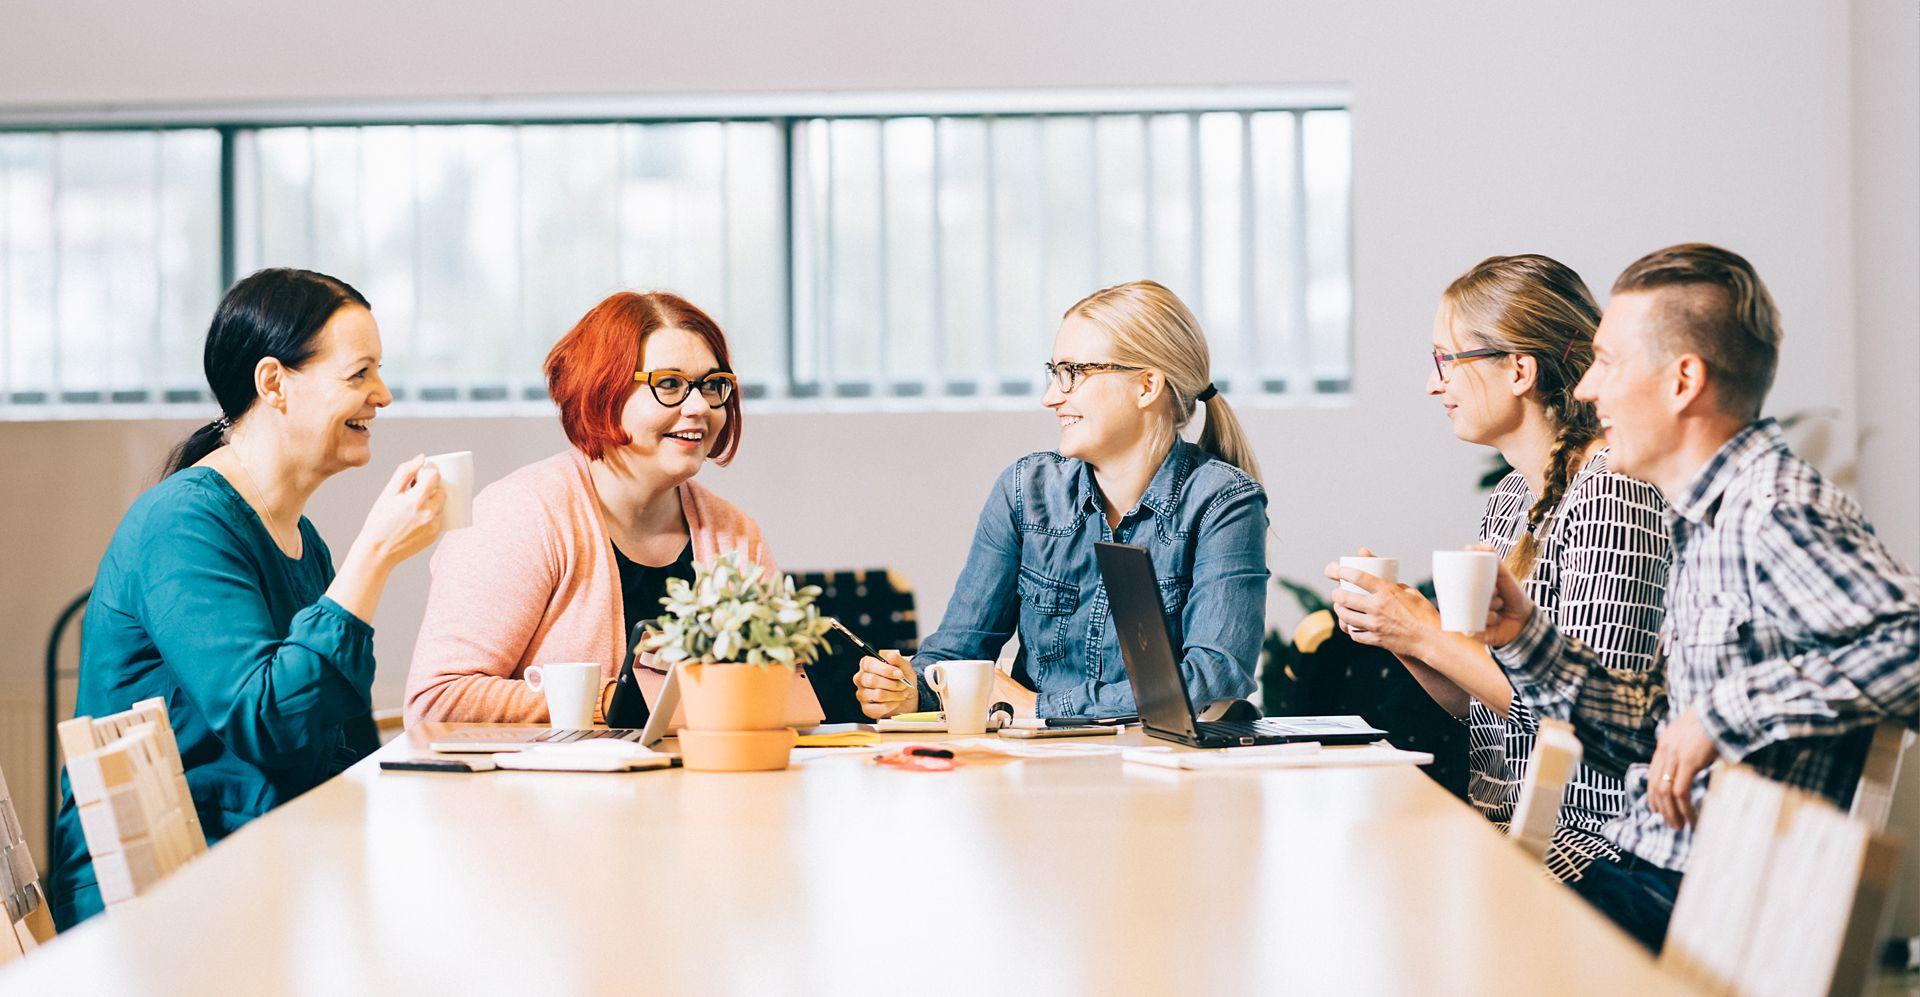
column 1697, row 500
column 1162, row 496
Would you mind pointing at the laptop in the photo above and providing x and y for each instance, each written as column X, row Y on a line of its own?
column 632, row 708
column 1153, row 669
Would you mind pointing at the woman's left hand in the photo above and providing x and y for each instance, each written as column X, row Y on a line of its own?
column 1389, row 615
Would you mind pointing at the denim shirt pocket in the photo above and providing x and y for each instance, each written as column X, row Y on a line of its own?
column 1046, row 613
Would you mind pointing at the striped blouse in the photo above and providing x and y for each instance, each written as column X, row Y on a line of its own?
column 1600, row 575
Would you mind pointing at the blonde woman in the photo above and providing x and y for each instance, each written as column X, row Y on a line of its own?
column 1512, row 338
column 1129, row 372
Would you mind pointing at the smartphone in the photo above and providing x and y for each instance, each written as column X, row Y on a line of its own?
column 1089, row 730
column 460, row 763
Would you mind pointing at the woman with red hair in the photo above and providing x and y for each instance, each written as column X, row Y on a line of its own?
column 568, row 553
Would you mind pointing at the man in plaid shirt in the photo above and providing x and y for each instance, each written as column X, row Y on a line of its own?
column 1790, row 630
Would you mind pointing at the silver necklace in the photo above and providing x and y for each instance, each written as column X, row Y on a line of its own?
column 273, row 521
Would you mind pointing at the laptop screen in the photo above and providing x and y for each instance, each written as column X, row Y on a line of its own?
column 1140, row 619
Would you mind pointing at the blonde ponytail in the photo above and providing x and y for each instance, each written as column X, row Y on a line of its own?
column 1224, row 438
column 1152, row 328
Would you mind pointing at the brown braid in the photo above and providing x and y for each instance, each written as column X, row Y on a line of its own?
column 1579, row 427
column 1535, row 306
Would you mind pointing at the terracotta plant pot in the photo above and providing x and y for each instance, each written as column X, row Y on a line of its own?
column 736, row 717
column 736, row 697
column 736, row 750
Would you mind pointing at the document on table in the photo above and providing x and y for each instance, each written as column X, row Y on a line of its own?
column 1308, row 754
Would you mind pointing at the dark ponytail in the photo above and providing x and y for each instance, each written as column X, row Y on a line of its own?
column 270, row 313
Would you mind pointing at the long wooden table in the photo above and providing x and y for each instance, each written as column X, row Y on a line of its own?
column 839, row 876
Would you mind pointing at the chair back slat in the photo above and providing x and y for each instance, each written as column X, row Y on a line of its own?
column 1556, row 756
column 1719, row 898
column 27, row 923
column 1784, row 894
column 136, row 810
column 1873, row 798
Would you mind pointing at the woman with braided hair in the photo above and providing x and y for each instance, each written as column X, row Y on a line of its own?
column 1512, row 338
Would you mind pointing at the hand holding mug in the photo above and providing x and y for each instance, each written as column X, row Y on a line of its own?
column 886, row 685
column 1509, row 611
column 1381, row 613
column 405, row 518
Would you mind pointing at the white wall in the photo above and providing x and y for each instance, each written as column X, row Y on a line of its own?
column 1886, row 249
column 1590, row 132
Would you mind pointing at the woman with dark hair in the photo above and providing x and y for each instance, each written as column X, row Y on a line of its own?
column 1512, row 338
column 218, row 595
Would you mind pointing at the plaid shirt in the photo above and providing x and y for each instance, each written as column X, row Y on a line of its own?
column 1789, row 626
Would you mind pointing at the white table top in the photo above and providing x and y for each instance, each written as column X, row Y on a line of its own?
column 839, row 876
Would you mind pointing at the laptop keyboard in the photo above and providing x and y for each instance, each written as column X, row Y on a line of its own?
column 570, row 736
column 1235, row 728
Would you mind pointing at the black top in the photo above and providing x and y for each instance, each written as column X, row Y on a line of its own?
column 642, row 587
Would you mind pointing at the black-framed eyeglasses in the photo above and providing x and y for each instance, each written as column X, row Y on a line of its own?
column 1441, row 360
column 671, row 387
column 1067, row 376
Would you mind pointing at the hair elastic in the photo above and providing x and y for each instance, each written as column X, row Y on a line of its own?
column 1206, row 393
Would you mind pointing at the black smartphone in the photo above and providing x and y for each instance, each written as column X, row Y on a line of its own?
column 458, row 763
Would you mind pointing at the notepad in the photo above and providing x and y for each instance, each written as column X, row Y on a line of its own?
column 839, row 739
column 601, row 755
column 1308, row 754
column 921, row 723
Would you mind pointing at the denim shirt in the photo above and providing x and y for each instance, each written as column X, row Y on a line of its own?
column 1202, row 520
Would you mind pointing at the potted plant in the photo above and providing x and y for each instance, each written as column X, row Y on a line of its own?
column 737, row 634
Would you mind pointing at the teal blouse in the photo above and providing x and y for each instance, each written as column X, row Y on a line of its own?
column 267, row 681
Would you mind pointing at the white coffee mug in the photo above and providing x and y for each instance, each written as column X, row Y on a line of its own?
column 456, row 476
column 966, row 693
column 571, row 688
column 1387, row 569
column 1463, row 585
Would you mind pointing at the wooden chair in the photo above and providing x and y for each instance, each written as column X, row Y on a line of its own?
column 1873, row 798
column 1784, row 894
column 135, row 808
column 389, row 724
column 29, row 923
column 1556, row 756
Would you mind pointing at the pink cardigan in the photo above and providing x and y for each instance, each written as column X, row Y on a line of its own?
column 534, row 580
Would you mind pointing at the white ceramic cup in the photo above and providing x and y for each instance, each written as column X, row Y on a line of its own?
column 966, row 693
column 456, row 476
column 1463, row 585
column 1387, row 569
column 571, row 687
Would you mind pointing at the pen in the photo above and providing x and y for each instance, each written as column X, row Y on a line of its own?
column 864, row 647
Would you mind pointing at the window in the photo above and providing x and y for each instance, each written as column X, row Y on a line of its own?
column 934, row 256
column 109, row 267
column 479, row 245
column 855, row 254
